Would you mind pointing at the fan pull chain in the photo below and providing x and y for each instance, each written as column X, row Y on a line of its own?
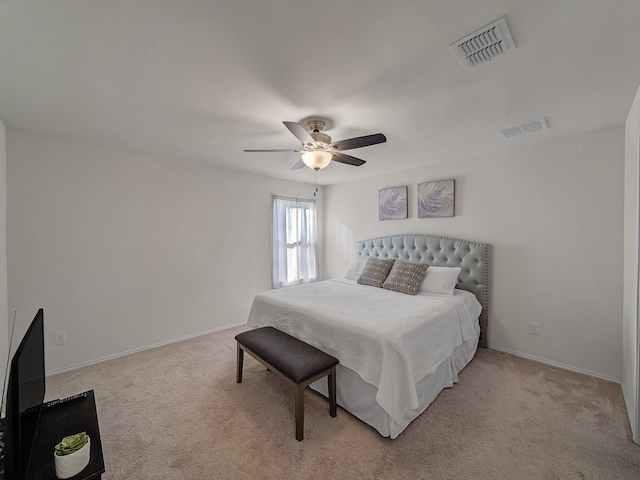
column 315, row 182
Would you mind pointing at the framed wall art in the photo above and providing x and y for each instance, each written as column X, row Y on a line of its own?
column 436, row 199
column 392, row 203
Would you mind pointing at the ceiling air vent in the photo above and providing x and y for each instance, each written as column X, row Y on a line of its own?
column 483, row 45
column 530, row 127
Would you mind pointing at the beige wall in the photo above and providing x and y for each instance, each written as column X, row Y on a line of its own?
column 630, row 345
column 126, row 250
column 553, row 212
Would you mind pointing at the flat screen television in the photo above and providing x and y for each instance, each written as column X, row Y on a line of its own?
column 25, row 394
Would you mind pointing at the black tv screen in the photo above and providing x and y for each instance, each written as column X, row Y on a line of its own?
column 25, row 394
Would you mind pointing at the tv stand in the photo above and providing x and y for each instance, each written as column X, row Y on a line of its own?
column 60, row 418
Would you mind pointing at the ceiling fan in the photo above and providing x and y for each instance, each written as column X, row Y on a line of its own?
column 318, row 150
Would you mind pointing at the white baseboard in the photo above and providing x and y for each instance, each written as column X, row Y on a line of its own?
column 217, row 329
column 556, row 364
column 148, row 347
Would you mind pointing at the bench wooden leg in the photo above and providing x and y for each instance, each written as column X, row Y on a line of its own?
column 239, row 364
column 299, row 394
column 331, row 379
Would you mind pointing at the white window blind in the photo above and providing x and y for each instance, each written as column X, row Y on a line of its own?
column 294, row 241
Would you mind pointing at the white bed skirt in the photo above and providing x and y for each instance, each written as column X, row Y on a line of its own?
column 359, row 397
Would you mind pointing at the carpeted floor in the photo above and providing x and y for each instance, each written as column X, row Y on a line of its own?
column 175, row 412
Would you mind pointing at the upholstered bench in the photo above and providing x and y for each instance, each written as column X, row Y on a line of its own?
column 294, row 360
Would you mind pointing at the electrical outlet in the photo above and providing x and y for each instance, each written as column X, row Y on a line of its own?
column 60, row 338
column 534, row 328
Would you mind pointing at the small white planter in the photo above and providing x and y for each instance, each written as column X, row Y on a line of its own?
column 69, row 465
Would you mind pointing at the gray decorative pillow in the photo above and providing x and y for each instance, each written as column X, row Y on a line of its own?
column 375, row 271
column 405, row 277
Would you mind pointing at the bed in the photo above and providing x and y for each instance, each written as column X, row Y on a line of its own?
column 397, row 352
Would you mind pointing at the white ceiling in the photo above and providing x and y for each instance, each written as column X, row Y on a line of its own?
column 206, row 79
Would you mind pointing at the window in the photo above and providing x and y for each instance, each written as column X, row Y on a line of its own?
column 294, row 241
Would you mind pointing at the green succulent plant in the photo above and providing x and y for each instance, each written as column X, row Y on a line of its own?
column 72, row 443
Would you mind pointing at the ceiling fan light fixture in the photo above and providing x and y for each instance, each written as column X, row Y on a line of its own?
column 316, row 159
column 318, row 150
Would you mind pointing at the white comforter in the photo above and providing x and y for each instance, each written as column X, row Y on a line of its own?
column 390, row 339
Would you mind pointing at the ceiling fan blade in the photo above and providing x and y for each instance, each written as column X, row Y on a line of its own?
column 270, row 150
column 348, row 159
column 358, row 142
column 300, row 133
column 298, row 165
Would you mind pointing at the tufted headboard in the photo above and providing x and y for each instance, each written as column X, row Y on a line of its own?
column 474, row 258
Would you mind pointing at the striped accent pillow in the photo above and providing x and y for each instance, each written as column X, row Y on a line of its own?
column 405, row 277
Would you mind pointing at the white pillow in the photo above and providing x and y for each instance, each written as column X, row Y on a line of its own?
column 354, row 270
column 440, row 280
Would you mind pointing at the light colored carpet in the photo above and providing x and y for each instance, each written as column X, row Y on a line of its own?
column 175, row 412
